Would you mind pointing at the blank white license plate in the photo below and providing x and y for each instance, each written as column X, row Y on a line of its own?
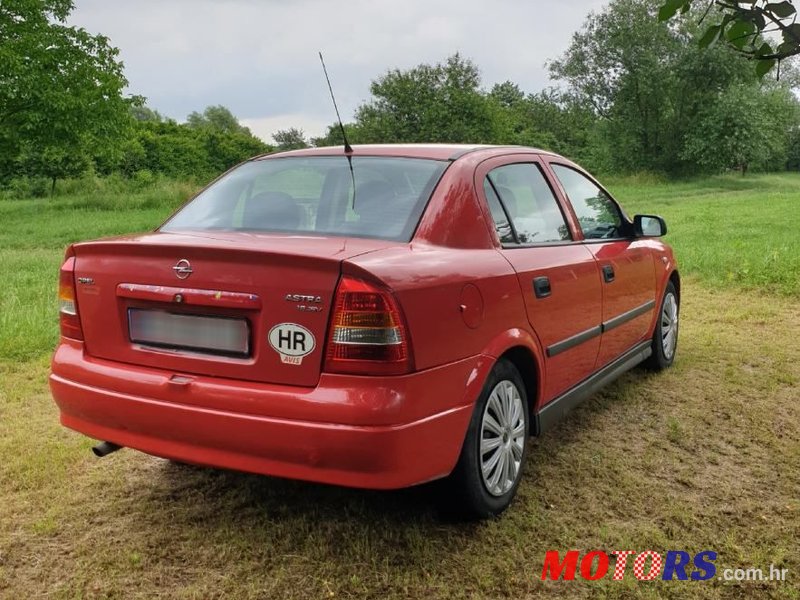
column 215, row 335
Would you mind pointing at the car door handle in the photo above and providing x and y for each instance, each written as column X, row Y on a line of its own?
column 608, row 273
column 541, row 287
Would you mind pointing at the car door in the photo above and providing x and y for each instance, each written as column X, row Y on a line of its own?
column 626, row 263
column 559, row 278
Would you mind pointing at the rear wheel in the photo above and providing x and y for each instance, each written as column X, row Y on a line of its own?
column 489, row 469
column 665, row 336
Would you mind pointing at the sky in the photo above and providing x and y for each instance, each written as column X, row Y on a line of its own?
column 259, row 57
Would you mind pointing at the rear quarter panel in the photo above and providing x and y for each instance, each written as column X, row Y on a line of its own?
column 459, row 295
column 456, row 290
column 434, row 283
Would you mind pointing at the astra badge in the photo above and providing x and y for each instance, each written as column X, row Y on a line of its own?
column 305, row 302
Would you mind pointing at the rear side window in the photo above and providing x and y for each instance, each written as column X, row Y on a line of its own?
column 315, row 195
column 501, row 221
column 528, row 202
column 598, row 215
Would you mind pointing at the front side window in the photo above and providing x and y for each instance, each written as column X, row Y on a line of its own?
column 528, row 202
column 314, row 195
column 597, row 214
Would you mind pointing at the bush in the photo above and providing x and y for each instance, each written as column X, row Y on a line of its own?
column 143, row 179
column 112, row 193
column 20, row 188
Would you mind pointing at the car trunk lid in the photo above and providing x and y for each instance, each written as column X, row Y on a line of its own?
column 238, row 305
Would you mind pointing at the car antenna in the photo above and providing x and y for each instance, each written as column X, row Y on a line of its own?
column 348, row 149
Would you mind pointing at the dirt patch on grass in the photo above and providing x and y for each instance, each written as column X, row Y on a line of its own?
column 703, row 457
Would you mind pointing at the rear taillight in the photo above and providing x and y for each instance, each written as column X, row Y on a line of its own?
column 368, row 335
column 67, row 302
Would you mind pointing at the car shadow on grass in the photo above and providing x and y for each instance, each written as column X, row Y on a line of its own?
column 299, row 521
column 270, row 529
column 210, row 495
column 277, row 498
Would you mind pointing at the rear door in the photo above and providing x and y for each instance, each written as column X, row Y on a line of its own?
column 625, row 262
column 558, row 278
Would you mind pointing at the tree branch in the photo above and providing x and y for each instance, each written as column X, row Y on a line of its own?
column 787, row 31
column 705, row 14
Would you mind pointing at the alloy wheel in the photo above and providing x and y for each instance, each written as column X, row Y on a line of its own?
column 669, row 326
column 502, row 440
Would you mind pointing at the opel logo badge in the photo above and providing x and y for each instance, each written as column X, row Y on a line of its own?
column 183, row 269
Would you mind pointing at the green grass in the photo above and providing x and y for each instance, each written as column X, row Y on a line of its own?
column 33, row 235
column 731, row 232
column 736, row 232
column 704, row 456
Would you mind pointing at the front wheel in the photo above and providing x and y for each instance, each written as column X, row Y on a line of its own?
column 665, row 336
column 489, row 469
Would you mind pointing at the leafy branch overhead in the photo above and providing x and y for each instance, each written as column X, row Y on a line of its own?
column 742, row 25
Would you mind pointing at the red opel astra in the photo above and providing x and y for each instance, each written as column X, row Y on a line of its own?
column 379, row 319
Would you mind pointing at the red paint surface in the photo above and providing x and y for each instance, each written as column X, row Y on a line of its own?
column 464, row 300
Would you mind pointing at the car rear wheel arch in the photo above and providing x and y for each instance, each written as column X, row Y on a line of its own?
column 522, row 358
column 675, row 278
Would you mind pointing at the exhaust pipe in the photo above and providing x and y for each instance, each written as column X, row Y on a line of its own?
column 105, row 448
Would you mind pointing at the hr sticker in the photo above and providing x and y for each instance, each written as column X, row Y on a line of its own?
column 292, row 342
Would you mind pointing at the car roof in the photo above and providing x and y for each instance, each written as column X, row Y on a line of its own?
column 430, row 151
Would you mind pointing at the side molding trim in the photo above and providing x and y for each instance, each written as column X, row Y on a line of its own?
column 571, row 342
column 628, row 316
column 553, row 411
column 592, row 332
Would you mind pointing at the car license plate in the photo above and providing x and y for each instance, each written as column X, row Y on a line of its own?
column 198, row 333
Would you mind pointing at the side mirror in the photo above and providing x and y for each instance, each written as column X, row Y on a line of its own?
column 649, row 226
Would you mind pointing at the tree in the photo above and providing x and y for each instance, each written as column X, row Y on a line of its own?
column 290, row 139
column 744, row 129
column 333, row 136
column 507, row 94
column 621, row 64
column 217, row 118
column 169, row 148
column 652, row 86
column 516, row 117
column 60, row 90
column 561, row 122
column 741, row 24
column 538, row 119
column 429, row 103
column 145, row 113
column 793, row 150
column 225, row 150
column 55, row 162
column 182, row 151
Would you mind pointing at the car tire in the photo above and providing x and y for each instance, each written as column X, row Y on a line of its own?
column 665, row 336
column 489, row 469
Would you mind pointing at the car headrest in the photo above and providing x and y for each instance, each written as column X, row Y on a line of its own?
column 509, row 200
column 372, row 197
column 272, row 210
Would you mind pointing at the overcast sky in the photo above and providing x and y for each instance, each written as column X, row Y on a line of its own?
column 259, row 57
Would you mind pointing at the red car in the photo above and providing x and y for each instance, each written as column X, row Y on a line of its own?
column 380, row 319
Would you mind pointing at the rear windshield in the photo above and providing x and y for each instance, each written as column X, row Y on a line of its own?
column 315, row 196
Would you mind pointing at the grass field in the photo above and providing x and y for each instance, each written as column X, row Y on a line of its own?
column 703, row 457
column 735, row 232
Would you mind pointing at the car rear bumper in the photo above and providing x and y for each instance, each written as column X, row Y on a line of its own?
column 142, row 408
